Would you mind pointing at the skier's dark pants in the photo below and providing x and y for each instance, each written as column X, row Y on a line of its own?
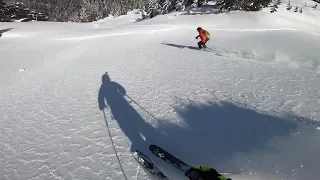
column 201, row 44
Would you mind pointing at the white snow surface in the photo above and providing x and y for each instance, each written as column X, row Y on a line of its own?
column 254, row 110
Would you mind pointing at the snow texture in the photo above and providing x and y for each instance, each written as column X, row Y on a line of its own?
column 253, row 110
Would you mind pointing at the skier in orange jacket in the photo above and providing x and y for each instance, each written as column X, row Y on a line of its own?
column 204, row 36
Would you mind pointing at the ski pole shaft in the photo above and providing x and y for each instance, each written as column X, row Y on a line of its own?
column 113, row 145
column 141, row 107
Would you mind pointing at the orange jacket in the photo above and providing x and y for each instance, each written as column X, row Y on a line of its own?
column 202, row 36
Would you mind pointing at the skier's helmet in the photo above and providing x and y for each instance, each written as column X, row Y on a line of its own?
column 199, row 28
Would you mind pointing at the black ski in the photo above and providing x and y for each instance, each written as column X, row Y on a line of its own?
column 149, row 165
column 169, row 158
column 172, row 160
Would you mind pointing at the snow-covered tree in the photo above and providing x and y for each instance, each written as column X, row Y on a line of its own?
column 10, row 11
column 156, row 7
column 91, row 10
column 247, row 5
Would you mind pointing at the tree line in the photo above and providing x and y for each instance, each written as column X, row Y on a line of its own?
column 92, row 10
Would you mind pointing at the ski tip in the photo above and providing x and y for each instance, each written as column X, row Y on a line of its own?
column 135, row 153
column 152, row 146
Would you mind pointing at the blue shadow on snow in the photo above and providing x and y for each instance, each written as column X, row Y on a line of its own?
column 213, row 133
column 181, row 46
column 112, row 97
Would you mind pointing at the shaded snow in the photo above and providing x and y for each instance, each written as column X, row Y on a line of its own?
column 254, row 110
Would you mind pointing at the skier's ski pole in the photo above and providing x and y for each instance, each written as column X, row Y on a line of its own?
column 141, row 107
column 113, row 145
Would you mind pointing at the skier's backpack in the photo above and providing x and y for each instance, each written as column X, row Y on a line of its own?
column 207, row 34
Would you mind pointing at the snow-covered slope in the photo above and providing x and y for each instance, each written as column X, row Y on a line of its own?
column 254, row 110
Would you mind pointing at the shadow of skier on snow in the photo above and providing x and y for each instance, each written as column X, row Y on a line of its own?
column 215, row 132
column 216, row 51
column 112, row 97
column 181, row 46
